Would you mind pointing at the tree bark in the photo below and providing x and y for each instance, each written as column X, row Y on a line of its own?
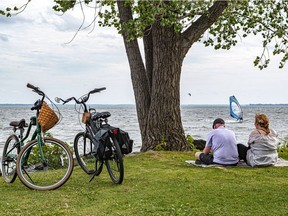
column 164, row 125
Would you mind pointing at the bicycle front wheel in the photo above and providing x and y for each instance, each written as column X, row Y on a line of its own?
column 83, row 148
column 47, row 167
column 114, row 163
column 9, row 157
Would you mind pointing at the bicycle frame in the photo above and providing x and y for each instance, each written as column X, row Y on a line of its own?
column 91, row 126
column 36, row 134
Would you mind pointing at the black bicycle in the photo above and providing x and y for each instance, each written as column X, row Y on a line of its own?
column 100, row 142
column 43, row 163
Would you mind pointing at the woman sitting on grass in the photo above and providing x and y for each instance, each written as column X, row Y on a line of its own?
column 262, row 144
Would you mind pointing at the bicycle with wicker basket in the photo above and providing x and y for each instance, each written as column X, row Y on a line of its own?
column 43, row 163
column 99, row 143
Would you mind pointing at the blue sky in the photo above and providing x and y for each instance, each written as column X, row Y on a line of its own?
column 34, row 49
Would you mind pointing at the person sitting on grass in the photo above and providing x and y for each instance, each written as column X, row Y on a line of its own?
column 221, row 146
column 262, row 144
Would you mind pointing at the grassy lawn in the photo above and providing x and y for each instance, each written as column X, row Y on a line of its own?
column 157, row 183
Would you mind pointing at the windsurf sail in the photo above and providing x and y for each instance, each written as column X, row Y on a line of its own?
column 235, row 109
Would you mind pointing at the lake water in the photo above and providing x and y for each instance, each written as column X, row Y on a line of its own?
column 197, row 120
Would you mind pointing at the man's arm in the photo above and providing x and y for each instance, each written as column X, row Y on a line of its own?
column 207, row 150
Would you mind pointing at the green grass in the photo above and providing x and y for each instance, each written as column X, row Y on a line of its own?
column 157, row 183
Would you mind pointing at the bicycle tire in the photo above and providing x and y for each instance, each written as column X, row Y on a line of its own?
column 83, row 148
column 50, row 174
column 114, row 163
column 9, row 158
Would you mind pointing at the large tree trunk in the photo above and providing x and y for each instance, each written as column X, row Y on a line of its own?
column 164, row 128
column 157, row 86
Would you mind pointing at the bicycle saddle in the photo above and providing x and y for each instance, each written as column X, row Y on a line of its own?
column 99, row 115
column 19, row 124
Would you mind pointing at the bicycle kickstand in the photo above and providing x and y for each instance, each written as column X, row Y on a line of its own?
column 93, row 176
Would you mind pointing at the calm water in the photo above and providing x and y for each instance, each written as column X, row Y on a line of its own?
column 197, row 121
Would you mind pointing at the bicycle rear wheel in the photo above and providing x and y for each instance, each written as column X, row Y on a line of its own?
column 114, row 163
column 9, row 157
column 83, row 148
column 49, row 174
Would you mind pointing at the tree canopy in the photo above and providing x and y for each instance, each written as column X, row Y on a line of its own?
column 268, row 18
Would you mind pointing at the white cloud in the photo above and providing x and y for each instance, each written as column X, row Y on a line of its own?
column 212, row 76
column 33, row 49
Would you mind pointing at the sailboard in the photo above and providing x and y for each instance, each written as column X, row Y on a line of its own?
column 235, row 109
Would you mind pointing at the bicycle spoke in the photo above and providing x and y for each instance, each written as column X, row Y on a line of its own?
column 24, row 170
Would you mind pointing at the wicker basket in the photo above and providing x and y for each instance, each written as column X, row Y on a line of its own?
column 47, row 117
column 85, row 117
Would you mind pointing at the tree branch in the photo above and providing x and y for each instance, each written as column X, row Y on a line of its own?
column 197, row 29
column 138, row 71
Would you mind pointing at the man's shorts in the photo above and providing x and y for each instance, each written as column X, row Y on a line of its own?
column 206, row 158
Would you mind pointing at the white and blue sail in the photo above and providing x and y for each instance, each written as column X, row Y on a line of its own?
column 235, row 109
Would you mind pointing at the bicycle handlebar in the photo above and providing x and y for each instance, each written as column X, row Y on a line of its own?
column 58, row 100
column 36, row 89
column 97, row 90
column 31, row 86
column 81, row 100
column 37, row 105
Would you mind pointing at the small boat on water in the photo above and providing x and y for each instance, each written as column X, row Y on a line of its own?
column 235, row 109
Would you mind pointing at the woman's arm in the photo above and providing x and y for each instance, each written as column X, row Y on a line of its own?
column 253, row 136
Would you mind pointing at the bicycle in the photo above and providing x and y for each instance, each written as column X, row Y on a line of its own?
column 44, row 163
column 100, row 142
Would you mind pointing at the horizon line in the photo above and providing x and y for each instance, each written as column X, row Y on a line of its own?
column 258, row 104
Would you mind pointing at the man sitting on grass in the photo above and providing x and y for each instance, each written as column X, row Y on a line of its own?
column 220, row 148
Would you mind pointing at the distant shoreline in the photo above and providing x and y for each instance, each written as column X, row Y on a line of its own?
column 19, row 105
column 193, row 105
